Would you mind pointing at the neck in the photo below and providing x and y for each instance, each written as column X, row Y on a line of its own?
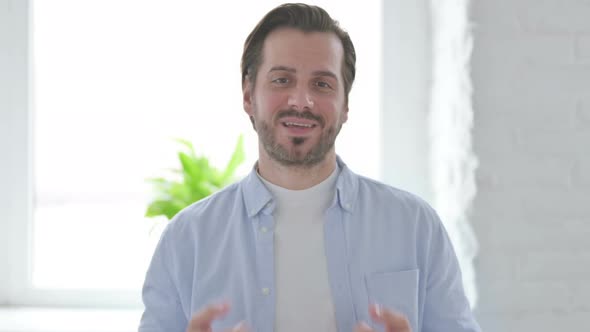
column 295, row 177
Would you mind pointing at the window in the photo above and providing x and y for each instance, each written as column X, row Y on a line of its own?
column 93, row 103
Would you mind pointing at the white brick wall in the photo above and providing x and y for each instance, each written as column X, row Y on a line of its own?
column 531, row 77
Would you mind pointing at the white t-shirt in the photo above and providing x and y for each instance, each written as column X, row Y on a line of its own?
column 303, row 296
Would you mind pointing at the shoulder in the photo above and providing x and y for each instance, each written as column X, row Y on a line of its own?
column 383, row 196
column 388, row 192
column 214, row 208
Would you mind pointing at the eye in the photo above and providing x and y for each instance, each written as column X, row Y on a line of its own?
column 281, row 80
column 323, row 85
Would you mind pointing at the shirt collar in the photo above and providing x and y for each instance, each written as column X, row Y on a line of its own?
column 258, row 198
column 346, row 187
column 256, row 195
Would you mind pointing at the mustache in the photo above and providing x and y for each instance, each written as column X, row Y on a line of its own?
column 301, row 115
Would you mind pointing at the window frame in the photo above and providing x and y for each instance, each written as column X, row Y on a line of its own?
column 16, row 193
column 16, row 123
column 15, row 149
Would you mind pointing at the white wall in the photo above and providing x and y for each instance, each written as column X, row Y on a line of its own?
column 531, row 76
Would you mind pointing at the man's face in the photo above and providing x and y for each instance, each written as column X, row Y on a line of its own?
column 298, row 103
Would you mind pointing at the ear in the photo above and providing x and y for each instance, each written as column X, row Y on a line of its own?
column 247, row 96
column 345, row 115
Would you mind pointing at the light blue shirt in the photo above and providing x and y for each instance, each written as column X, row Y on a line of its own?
column 382, row 245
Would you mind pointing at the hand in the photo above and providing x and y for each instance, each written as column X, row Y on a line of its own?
column 201, row 321
column 392, row 320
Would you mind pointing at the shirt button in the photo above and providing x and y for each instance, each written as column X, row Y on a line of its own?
column 265, row 291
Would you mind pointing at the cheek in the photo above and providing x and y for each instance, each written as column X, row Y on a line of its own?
column 270, row 102
column 333, row 109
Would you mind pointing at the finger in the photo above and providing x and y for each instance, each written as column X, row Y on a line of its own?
column 363, row 327
column 393, row 320
column 202, row 320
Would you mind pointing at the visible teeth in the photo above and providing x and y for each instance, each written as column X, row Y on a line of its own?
column 289, row 124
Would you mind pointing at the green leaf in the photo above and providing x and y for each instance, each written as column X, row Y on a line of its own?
column 179, row 192
column 200, row 191
column 190, row 167
column 187, row 144
column 237, row 158
column 168, row 208
column 160, row 184
column 195, row 180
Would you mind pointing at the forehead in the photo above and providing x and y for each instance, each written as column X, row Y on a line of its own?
column 303, row 51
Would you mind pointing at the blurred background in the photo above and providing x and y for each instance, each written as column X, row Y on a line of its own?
column 481, row 107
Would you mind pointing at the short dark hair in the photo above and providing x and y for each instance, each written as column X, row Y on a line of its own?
column 303, row 17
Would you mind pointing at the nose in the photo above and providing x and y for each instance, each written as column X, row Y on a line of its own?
column 300, row 99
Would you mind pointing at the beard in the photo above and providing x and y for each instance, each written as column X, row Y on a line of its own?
column 292, row 155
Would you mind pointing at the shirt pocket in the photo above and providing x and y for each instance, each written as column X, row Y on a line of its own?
column 397, row 291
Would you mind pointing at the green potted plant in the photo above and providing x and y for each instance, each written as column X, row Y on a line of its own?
column 195, row 180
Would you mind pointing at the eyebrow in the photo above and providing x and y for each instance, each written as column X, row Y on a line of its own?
column 282, row 68
column 315, row 73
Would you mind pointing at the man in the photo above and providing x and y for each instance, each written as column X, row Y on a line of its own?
column 302, row 243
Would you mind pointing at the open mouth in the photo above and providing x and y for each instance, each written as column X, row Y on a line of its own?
column 290, row 124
